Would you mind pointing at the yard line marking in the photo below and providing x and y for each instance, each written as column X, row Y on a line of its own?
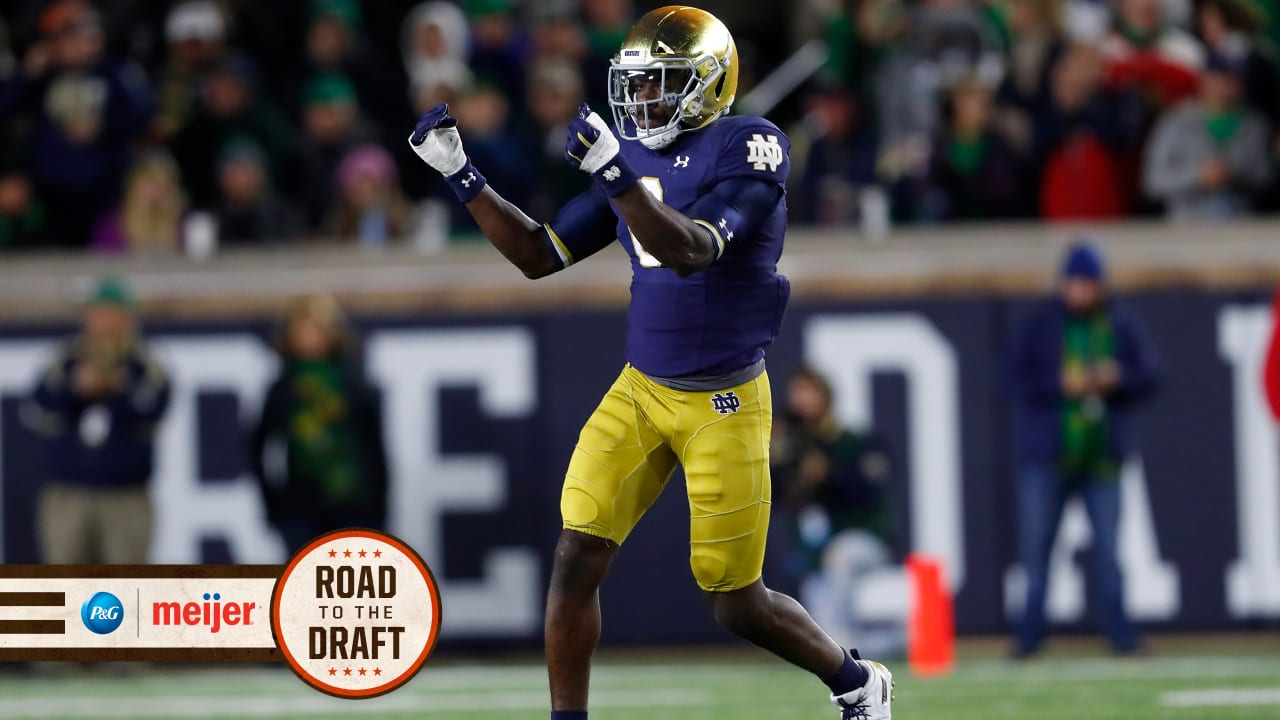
column 319, row 705
column 1108, row 670
column 1221, row 697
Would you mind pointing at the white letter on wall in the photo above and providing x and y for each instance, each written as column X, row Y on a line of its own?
column 411, row 366
column 186, row 509
column 848, row 349
column 1253, row 581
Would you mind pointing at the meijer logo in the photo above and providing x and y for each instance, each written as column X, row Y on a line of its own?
column 212, row 613
column 102, row 613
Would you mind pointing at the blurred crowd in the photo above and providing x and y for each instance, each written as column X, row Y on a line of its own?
column 153, row 126
column 1053, row 109
column 193, row 124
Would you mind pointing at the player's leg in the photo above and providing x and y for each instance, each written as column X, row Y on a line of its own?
column 618, row 468
column 573, row 615
column 779, row 624
column 724, row 449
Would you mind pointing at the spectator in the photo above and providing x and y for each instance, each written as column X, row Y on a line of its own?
column 1081, row 139
column 945, row 40
column 973, row 173
column 23, row 221
column 835, row 155
column 607, row 25
column 372, row 210
column 500, row 48
column 98, row 402
column 484, row 111
column 860, row 35
column 1148, row 52
column 333, row 125
column 555, row 92
column 195, row 32
column 1038, row 43
column 87, row 111
column 435, row 45
column 152, row 215
column 1209, row 156
column 557, row 33
column 1082, row 363
column 834, row 485
column 1234, row 28
column 232, row 108
column 317, row 450
column 335, row 45
column 249, row 212
column 274, row 34
column 1237, row 28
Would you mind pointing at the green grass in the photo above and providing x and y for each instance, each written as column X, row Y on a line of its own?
column 683, row 686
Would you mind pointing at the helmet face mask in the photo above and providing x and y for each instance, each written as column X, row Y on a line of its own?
column 647, row 99
column 677, row 70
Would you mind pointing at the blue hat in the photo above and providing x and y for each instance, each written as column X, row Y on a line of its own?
column 1084, row 261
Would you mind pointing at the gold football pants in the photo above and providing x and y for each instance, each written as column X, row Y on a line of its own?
column 630, row 446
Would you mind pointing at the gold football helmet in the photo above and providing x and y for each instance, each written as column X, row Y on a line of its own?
column 677, row 70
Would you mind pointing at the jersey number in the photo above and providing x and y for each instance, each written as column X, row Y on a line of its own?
column 654, row 186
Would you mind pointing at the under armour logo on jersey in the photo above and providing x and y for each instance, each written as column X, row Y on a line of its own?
column 724, row 225
column 725, row 403
column 470, row 178
column 682, row 161
column 613, row 173
column 764, row 151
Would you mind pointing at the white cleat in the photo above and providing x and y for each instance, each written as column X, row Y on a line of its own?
column 871, row 701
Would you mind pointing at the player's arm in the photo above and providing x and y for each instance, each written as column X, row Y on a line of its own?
column 673, row 238
column 686, row 242
column 667, row 234
column 694, row 239
column 583, row 226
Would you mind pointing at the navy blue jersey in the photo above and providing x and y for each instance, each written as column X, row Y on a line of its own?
column 722, row 318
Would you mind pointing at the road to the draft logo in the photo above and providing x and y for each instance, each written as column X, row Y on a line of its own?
column 356, row 613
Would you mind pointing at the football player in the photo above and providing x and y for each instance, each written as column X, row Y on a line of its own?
column 696, row 198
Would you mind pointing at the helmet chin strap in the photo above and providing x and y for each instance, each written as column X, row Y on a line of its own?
column 690, row 105
column 662, row 138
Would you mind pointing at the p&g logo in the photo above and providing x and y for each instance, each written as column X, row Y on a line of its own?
column 102, row 613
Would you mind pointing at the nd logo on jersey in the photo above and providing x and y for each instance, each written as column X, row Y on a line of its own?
column 764, row 151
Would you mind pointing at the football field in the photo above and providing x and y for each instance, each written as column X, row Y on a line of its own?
column 1217, row 684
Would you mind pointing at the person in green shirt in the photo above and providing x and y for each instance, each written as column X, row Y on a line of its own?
column 317, row 450
column 1082, row 362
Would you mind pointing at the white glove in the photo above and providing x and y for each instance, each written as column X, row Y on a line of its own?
column 435, row 139
column 590, row 144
